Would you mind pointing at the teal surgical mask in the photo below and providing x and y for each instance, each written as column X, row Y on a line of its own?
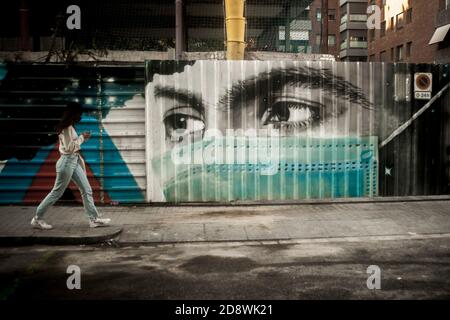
column 269, row 168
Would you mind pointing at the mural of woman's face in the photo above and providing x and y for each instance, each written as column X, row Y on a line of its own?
column 292, row 99
column 292, row 110
column 219, row 115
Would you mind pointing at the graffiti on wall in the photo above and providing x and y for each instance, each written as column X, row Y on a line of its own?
column 32, row 99
column 260, row 130
column 224, row 131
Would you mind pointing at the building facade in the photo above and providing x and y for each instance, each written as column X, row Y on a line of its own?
column 149, row 25
column 407, row 30
column 317, row 32
column 353, row 30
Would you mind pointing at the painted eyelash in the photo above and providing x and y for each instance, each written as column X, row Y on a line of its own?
column 293, row 125
column 297, row 105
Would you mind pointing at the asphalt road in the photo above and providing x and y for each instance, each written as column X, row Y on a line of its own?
column 410, row 269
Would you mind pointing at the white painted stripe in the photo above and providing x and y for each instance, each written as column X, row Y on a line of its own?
column 414, row 117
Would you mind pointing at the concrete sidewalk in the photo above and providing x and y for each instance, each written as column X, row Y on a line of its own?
column 281, row 223
column 69, row 227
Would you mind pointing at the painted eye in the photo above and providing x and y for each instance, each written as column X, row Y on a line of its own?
column 180, row 125
column 292, row 114
column 178, row 121
column 279, row 113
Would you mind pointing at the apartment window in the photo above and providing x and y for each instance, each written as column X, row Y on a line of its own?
column 383, row 29
column 372, row 57
column 383, row 56
column 392, row 23
column 331, row 14
column 392, row 54
column 409, row 15
column 408, row 49
column 331, row 40
column 399, row 53
column 318, row 39
column 318, row 14
column 447, row 4
column 399, row 20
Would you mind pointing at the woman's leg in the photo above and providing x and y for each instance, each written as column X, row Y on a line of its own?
column 79, row 177
column 64, row 173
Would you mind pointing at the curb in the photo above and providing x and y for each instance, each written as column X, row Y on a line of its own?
column 251, row 203
column 290, row 241
column 107, row 233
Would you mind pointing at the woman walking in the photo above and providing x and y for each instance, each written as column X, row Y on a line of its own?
column 70, row 166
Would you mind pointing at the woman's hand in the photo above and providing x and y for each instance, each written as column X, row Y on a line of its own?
column 86, row 135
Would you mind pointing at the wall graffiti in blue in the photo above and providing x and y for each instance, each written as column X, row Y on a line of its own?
column 32, row 99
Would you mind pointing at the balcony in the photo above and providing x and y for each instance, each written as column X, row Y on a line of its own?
column 353, row 48
column 358, row 17
column 353, row 52
column 353, row 22
column 358, row 44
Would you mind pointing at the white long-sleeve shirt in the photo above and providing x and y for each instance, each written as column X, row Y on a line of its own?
column 69, row 141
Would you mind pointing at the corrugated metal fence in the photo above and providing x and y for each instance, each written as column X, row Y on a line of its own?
column 227, row 130
column 276, row 130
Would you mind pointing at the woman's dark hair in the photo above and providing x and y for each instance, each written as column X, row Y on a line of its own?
column 72, row 114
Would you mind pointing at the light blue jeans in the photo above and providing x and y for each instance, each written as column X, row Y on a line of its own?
column 68, row 168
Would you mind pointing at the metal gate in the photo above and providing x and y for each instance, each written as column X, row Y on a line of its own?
column 32, row 98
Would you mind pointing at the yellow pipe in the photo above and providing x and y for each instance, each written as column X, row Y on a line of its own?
column 235, row 25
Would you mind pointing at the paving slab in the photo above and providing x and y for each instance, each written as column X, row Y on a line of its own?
column 305, row 229
column 141, row 233
column 271, row 231
column 225, row 232
column 183, row 232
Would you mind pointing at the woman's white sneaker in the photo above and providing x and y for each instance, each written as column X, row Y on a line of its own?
column 99, row 222
column 40, row 224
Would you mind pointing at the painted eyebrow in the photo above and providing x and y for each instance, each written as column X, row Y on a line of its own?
column 182, row 95
column 274, row 80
